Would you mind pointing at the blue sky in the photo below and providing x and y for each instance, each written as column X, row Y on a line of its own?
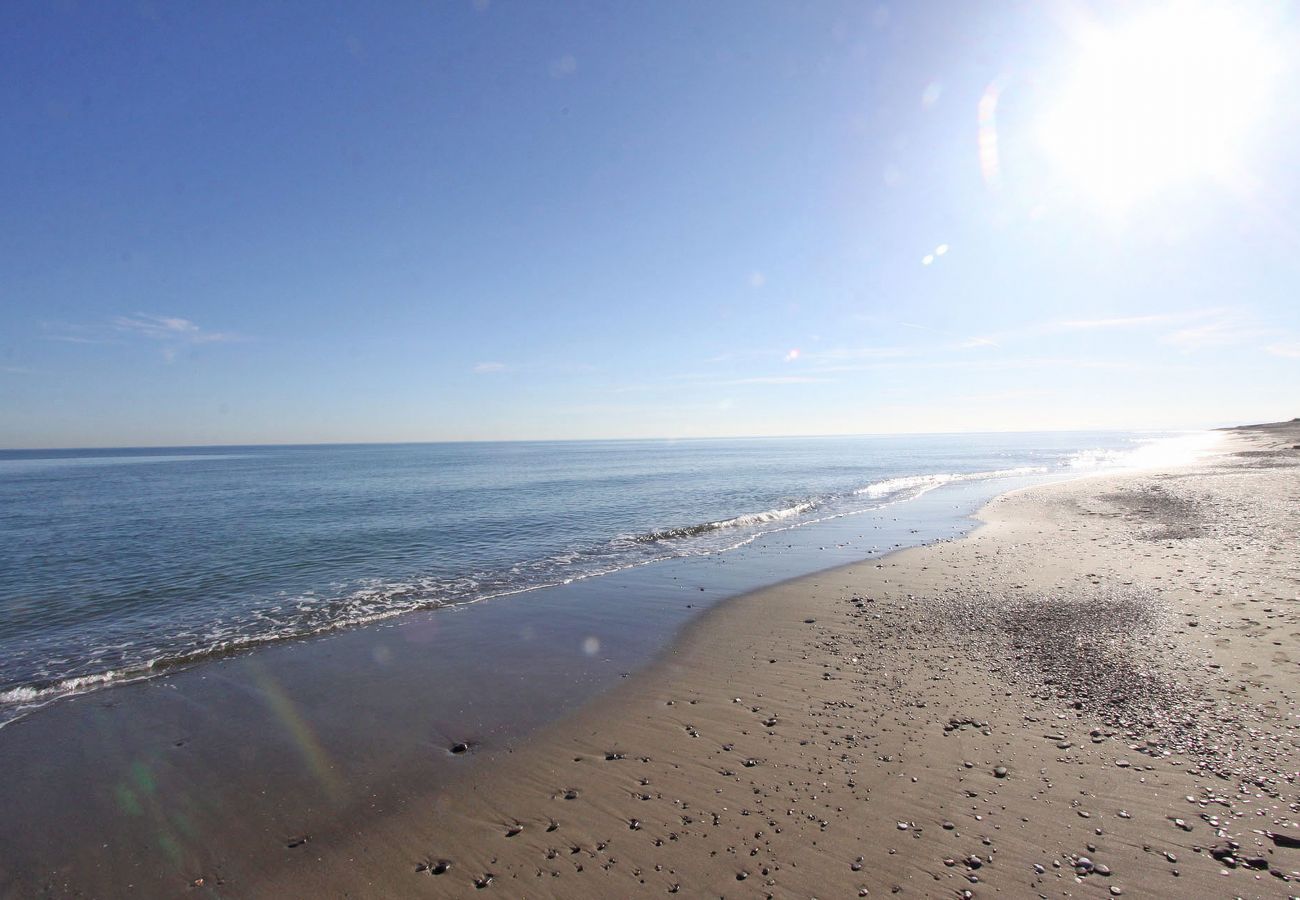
column 239, row 223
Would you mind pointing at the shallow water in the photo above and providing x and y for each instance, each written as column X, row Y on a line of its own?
column 117, row 564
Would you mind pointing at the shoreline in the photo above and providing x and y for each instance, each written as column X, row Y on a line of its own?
column 21, row 699
column 717, row 657
column 135, row 785
column 891, row 726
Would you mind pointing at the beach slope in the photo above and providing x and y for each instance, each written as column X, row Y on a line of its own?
column 1093, row 694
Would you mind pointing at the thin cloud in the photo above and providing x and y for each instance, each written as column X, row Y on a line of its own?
column 1221, row 333
column 774, row 379
column 1121, row 322
column 1066, row 326
column 170, row 333
column 1290, row 350
column 1002, row 396
column 77, row 339
column 170, row 328
column 848, row 354
column 564, row 66
column 485, row 368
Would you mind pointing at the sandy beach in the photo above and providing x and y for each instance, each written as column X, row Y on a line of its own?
column 718, row 450
column 1093, row 694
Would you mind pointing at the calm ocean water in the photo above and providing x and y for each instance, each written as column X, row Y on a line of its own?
column 119, row 563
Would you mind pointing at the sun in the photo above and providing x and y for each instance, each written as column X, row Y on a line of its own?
column 1172, row 97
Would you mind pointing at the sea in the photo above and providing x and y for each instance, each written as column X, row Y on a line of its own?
column 122, row 564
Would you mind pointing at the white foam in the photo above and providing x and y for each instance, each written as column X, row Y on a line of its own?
column 916, row 485
column 1151, row 453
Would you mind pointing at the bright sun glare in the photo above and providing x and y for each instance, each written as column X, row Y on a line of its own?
column 1171, row 97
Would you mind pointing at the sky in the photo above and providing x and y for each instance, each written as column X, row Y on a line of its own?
column 231, row 223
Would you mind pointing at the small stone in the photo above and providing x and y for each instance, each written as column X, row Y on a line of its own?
column 1000, row 771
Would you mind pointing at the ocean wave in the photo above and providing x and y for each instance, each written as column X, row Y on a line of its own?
column 1180, row 449
column 742, row 521
column 916, row 485
column 314, row 614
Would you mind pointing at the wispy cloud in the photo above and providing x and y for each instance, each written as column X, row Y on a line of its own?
column 1002, row 396
column 1220, row 333
column 169, row 333
column 16, row 370
column 774, row 379
column 170, row 328
column 1286, row 348
column 172, row 333
column 78, row 339
column 1123, row 321
column 850, row 354
column 1069, row 326
column 485, row 368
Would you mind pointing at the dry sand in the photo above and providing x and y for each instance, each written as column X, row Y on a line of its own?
column 1091, row 695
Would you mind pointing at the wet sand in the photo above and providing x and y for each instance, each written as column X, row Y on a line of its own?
column 1099, row 682
column 1094, row 694
column 218, row 772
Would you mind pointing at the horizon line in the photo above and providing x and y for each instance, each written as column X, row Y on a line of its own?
column 589, row 440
